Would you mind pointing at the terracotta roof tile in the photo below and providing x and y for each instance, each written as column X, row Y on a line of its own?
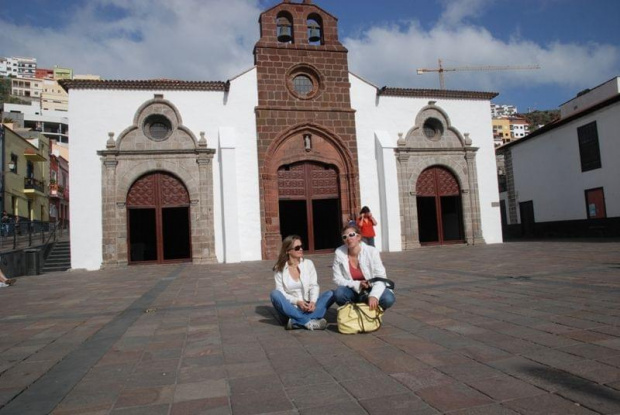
column 435, row 93
column 149, row 84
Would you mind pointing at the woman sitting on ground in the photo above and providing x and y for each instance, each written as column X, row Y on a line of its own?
column 296, row 297
column 4, row 281
column 355, row 263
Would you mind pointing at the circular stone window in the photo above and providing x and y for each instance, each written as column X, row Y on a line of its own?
column 433, row 129
column 303, row 82
column 157, row 127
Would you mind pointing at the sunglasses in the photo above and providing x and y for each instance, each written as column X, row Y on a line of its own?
column 298, row 248
column 349, row 235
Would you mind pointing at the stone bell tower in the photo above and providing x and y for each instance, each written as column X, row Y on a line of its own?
column 307, row 150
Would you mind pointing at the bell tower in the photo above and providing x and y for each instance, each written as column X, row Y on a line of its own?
column 304, row 117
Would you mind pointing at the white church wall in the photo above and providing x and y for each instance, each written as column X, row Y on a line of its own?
column 397, row 115
column 94, row 113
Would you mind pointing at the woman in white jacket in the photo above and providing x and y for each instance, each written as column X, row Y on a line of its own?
column 296, row 297
column 355, row 263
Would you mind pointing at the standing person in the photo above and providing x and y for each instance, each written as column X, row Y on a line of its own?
column 366, row 223
column 355, row 263
column 4, row 281
column 296, row 297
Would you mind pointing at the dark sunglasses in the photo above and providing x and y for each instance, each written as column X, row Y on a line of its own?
column 349, row 235
column 298, row 248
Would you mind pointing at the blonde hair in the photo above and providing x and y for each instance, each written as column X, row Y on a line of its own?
column 287, row 245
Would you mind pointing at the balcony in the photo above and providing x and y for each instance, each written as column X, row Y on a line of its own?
column 33, row 187
column 57, row 191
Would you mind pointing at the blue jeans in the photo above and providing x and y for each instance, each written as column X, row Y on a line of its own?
column 300, row 318
column 369, row 240
column 344, row 295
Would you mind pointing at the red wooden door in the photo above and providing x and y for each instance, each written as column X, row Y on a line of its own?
column 309, row 204
column 438, row 197
column 158, row 222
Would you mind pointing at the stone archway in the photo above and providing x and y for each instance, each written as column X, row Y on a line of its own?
column 434, row 142
column 307, row 143
column 157, row 142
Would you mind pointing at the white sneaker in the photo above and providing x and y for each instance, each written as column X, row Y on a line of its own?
column 2, row 285
column 314, row 324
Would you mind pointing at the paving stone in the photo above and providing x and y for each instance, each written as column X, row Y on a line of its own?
column 547, row 405
column 146, row 396
column 309, row 396
column 503, row 388
column 212, row 406
column 199, row 390
column 495, row 409
column 452, row 396
column 259, row 403
column 405, row 404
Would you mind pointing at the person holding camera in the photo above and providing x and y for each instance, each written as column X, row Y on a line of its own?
column 366, row 223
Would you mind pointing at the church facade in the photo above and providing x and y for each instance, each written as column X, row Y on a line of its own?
column 167, row 171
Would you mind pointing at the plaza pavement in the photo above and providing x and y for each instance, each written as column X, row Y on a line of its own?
column 514, row 328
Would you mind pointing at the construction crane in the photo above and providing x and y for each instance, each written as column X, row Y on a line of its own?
column 441, row 70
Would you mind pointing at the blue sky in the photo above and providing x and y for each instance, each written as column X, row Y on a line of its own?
column 576, row 42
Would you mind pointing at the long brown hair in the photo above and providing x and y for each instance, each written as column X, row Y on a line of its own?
column 287, row 245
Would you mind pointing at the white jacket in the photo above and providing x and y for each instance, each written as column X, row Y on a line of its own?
column 308, row 279
column 370, row 264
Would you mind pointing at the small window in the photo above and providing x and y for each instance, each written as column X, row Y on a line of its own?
column 595, row 203
column 157, row 127
column 433, row 129
column 303, row 85
column 589, row 151
column 13, row 163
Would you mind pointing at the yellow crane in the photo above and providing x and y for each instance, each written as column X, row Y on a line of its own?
column 441, row 70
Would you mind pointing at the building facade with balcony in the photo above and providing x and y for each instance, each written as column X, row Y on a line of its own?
column 25, row 176
column 59, row 187
column 53, row 124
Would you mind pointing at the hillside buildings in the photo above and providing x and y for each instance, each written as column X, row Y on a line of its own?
column 222, row 170
column 562, row 180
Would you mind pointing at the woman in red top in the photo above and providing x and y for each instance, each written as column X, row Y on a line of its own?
column 366, row 222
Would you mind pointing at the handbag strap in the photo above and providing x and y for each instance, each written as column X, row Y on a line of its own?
column 388, row 283
column 360, row 312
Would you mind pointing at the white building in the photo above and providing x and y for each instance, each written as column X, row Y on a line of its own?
column 503, row 110
column 562, row 180
column 53, row 124
column 297, row 147
column 18, row 66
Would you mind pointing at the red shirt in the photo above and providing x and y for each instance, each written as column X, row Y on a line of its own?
column 367, row 228
column 356, row 273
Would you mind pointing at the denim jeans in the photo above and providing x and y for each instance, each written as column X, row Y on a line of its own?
column 300, row 318
column 344, row 295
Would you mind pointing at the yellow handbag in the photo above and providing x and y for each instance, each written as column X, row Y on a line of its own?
column 358, row 318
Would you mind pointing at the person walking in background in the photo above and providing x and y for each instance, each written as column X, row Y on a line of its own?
column 366, row 223
column 296, row 297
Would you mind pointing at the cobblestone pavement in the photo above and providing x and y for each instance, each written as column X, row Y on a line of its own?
column 516, row 328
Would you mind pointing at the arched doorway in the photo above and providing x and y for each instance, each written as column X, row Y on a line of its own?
column 158, row 220
column 440, row 214
column 309, row 204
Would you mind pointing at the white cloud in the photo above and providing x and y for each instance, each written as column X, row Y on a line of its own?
column 213, row 40
column 181, row 39
column 404, row 48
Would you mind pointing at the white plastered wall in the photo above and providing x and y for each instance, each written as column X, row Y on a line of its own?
column 386, row 116
column 94, row 113
column 547, row 169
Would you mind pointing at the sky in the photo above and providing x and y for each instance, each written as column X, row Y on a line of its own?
column 576, row 43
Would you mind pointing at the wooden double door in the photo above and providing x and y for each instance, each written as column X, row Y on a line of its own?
column 440, row 213
column 309, row 205
column 158, row 220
